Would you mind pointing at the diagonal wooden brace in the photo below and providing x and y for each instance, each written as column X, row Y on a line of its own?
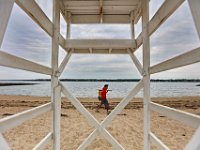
column 91, row 119
column 109, row 118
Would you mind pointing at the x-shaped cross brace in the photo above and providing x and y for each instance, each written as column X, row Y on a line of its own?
column 101, row 127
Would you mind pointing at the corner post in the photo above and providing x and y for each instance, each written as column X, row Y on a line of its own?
column 146, row 76
column 55, row 87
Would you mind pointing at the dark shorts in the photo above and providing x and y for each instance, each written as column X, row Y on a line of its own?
column 104, row 102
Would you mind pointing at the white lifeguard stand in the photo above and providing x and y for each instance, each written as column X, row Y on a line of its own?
column 99, row 12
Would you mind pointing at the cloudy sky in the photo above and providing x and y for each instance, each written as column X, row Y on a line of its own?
column 24, row 38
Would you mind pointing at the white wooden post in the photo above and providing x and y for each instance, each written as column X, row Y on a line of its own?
column 55, row 88
column 5, row 11
column 194, row 7
column 194, row 143
column 68, row 25
column 3, row 144
column 146, row 65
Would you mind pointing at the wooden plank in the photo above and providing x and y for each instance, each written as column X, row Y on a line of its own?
column 5, row 11
column 3, row 144
column 96, row 3
column 92, row 120
column 110, row 117
column 146, row 75
column 35, row 12
column 19, row 118
column 100, row 51
column 164, row 12
column 109, row 19
column 188, row 58
column 194, row 7
column 64, row 63
column 99, row 43
column 55, row 88
column 136, row 62
column 41, row 145
column 12, row 61
column 160, row 145
column 189, row 119
column 194, row 143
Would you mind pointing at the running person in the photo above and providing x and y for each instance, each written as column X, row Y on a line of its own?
column 103, row 99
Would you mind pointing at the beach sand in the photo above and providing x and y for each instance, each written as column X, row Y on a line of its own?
column 127, row 127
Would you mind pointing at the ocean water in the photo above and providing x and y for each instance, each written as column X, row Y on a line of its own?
column 119, row 89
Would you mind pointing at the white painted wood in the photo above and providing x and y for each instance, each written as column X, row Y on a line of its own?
column 184, row 117
column 5, row 11
column 194, row 7
column 146, row 77
column 160, row 145
column 96, row 3
column 194, row 143
column 99, row 43
column 17, row 119
column 41, row 145
column 164, row 12
column 12, row 61
column 109, row 19
column 55, row 88
column 113, row 114
column 100, row 51
column 64, row 63
column 3, row 144
column 188, row 58
column 68, row 25
column 92, row 120
column 136, row 62
column 35, row 12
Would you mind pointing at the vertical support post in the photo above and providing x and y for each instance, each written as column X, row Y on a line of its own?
column 5, row 11
column 68, row 25
column 194, row 7
column 55, row 88
column 146, row 77
column 132, row 25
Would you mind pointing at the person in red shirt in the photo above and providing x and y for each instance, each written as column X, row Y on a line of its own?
column 103, row 99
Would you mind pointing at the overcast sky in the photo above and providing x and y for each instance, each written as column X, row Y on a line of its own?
column 24, row 38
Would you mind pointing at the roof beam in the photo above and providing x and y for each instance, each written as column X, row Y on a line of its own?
column 167, row 8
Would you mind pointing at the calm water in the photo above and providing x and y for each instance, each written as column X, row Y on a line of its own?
column 119, row 89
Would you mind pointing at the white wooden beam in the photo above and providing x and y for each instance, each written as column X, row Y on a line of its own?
column 3, row 144
column 110, row 117
column 35, row 12
column 68, row 25
column 188, row 58
column 64, row 63
column 55, row 88
column 146, row 76
column 5, row 11
column 164, row 12
column 41, row 145
column 99, row 43
column 136, row 62
column 160, row 145
column 189, row 119
column 100, row 51
column 17, row 119
column 8, row 60
column 92, row 120
column 194, row 143
column 96, row 3
column 194, row 7
column 108, row 19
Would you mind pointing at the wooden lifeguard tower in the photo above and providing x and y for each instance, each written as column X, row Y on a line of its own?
column 99, row 12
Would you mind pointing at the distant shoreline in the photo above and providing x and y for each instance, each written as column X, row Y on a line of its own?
column 111, row 80
column 16, row 84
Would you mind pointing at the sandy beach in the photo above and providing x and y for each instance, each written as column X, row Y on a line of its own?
column 127, row 127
